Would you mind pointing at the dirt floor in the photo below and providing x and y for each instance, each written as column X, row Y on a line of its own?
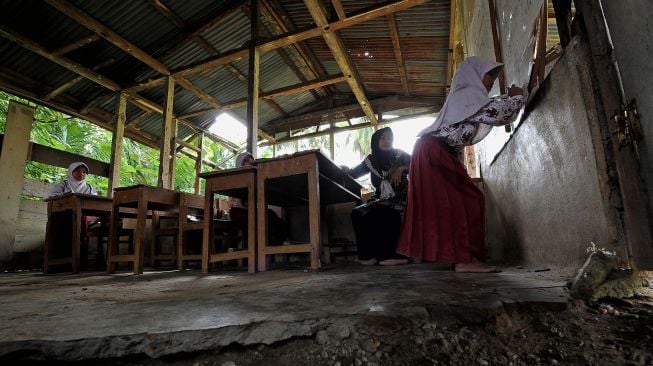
column 610, row 332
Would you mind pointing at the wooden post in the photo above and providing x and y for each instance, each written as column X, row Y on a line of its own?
column 198, row 162
column 116, row 144
column 332, row 141
column 12, row 165
column 164, row 157
column 173, row 153
column 253, row 83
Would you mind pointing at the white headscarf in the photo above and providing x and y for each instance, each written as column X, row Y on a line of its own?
column 240, row 160
column 468, row 94
column 77, row 186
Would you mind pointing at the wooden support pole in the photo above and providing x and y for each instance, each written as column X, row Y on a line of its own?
column 12, row 165
column 497, row 44
column 253, row 83
column 164, row 157
column 173, row 153
column 399, row 57
column 562, row 10
column 116, row 144
column 198, row 162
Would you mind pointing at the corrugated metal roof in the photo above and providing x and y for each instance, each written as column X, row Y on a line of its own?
column 423, row 31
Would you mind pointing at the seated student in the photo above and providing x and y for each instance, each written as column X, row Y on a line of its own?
column 76, row 182
column 377, row 223
column 238, row 210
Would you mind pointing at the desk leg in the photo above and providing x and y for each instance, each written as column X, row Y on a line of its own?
column 261, row 213
column 114, row 237
column 181, row 222
column 139, row 248
column 207, row 234
column 314, row 215
column 77, row 234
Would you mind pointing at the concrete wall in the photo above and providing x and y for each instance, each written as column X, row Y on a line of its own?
column 546, row 187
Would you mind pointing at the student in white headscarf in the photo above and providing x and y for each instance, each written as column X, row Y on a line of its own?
column 76, row 182
column 445, row 212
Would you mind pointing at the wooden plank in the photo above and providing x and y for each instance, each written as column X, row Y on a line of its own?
column 253, row 83
column 76, row 45
column 198, row 92
column 105, row 32
column 343, row 60
column 280, row 21
column 116, row 144
column 337, row 5
column 164, row 152
column 163, row 9
column 497, row 44
column 40, row 50
column 12, row 166
column 198, row 162
column 74, row 81
column 309, row 85
column 284, row 40
column 173, row 155
column 396, row 48
column 62, row 159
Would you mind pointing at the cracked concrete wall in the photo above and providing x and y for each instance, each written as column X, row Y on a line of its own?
column 546, row 185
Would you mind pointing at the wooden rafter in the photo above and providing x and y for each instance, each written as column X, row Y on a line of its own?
column 232, row 69
column 280, row 20
column 108, row 34
column 287, row 39
column 292, row 89
column 163, row 9
column 74, row 81
column 300, row 120
column 297, row 70
column 138, row 100
column 198, row 92
column 192, row 34
column 399, row 58
column 60, row 60
column 138, row 119
column 339, row 52
column 76, row 45
column 9, row 80
column 333, row 130
column 339, row 9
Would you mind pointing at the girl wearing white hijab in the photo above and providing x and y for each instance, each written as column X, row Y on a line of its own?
column 445, row 212
column 76, row 182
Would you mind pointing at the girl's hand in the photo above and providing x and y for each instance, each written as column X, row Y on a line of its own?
column 395, row 175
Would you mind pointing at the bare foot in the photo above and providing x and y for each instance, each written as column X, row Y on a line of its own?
column 475, row 267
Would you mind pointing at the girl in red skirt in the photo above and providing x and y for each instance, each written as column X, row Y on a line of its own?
column 445, row 212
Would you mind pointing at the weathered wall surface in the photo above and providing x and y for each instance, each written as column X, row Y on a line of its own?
column 546, row 189
column 633, row 45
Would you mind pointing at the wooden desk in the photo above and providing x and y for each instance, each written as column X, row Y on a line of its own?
column 79, row 205
column 189, row 204
column 230, row 182
column 305, row 178
column 143, row 198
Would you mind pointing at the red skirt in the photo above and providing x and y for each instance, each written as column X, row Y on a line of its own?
column 445, row 212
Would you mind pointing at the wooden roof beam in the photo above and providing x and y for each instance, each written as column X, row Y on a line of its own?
column 399, row 58
column 60, row 60
column 163, row 9
column 232, row 69
column 75, row 45
column 339, row 9
column 148, row 105
column 286, row 39
column 297, row 70
column 108, row 34
column 355, row 127
column 74, row 81
column 292, row 89
column 339, row 52
column 280, row 20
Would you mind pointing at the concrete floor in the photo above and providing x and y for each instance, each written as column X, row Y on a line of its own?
column 91, row 315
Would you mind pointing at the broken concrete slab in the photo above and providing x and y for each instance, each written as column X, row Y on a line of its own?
column 87, row 316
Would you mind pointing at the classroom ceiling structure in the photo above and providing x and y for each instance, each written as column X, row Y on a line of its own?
column 321, row 62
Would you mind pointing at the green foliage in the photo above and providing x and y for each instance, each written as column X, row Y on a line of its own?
column 139, row 163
